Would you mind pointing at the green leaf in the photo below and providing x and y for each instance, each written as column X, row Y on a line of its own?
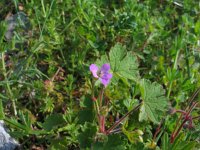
column 122, row 63
column 165, row 141
column 86, row 137
column 197, row 27
column 1, row 111
column 132, row 122
column 14, row 123
column 181, row 144
column 25, row 120
column 53, row 121
column 2, row 31
column 154, row 101
column 86, row 114
column 129, row 67
column 137, row 146
column 117, row 53
column 3, row 97
column 114, row 142
column 187, row 145
column 133, row 136
column 102, row 60
column 60, row 144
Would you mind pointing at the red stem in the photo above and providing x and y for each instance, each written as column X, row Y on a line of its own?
column 194, row 95
column 102, row 124
column 188, row 112
column 192, row 107
column 187, row 117
column 157, row 131
column 181, row 111
column 177, row 132
column 179, row 119
column 121, row 119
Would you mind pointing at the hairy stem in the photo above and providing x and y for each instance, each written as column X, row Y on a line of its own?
column 102, row 124
column 101, row 117
column 121, row 119
column 101, row 97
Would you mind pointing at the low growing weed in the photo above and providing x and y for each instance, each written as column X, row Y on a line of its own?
column 101, row 74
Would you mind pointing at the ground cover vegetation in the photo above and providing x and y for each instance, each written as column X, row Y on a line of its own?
column 101, row 74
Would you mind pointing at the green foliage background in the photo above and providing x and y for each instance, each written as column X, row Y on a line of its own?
column 55, row 111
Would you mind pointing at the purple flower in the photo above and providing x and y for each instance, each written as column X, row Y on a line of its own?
column 102, row 74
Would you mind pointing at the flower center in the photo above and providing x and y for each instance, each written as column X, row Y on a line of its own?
column 99, row 73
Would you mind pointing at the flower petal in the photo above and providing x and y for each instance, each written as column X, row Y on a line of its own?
column 105, row 78
column 105, row 68
column 94, row 69
column 105, row 82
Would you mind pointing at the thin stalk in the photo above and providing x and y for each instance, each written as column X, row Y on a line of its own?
column 187, row 62
column 186, row 110
column 16, row 125
column 157, row 131
column 92, row 88
column 101, row 97
column 52, row 79
column 121, row 119
column 94, row 99
column 8, row 85
column 63, row 57
column 170, row 88
column 177, row 132
column 47, row 16
column 181, row 111
column 174, row 67
column 43, row 8
column 192, row 107
column 176, row 59
column 101, row 117
column 97, row 107
column 16, row 5
column 102, row 123
column 179, row 119
column 193, row 96
column 118, row 130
